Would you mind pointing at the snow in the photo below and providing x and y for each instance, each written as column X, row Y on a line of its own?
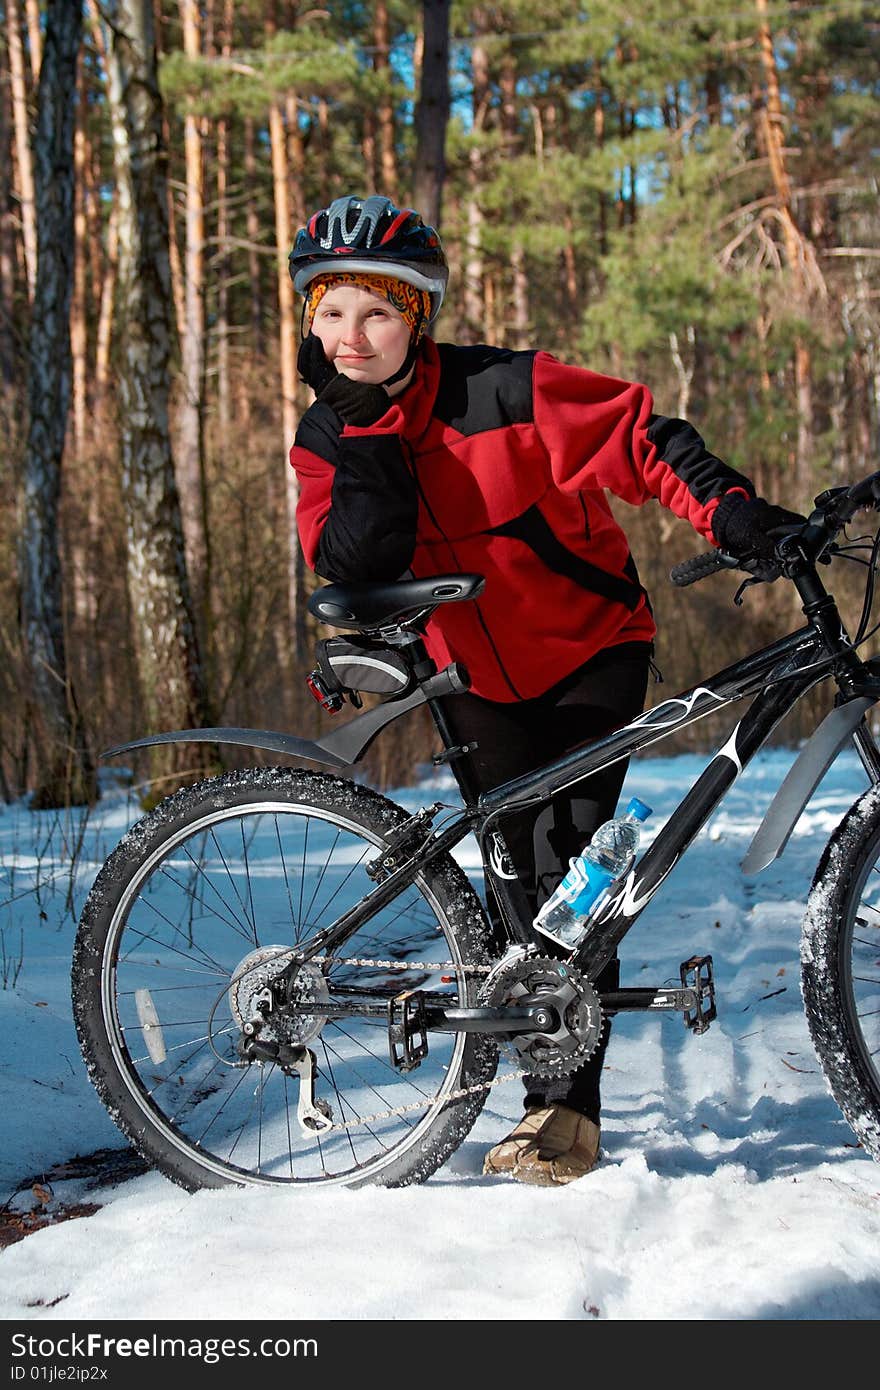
column 730, row 1185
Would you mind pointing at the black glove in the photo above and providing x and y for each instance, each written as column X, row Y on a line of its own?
column 745, row 526
column 312, row 365
column 355, row 402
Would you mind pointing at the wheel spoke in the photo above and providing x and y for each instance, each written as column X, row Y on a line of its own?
column 235, row 925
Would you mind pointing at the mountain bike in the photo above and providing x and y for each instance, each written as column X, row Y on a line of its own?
column 280, row 976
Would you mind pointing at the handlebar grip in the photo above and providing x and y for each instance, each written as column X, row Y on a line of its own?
column 864, row 494
column 700, row 567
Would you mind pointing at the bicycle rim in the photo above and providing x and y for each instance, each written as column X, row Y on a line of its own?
column 232, row 888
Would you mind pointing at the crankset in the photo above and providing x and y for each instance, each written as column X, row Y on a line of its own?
column 565, row 997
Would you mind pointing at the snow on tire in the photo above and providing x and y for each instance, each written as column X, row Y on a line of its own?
column 840, row 967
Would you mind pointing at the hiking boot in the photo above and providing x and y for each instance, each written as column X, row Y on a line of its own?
column 549, row 1146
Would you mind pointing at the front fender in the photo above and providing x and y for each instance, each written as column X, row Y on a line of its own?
column 802, row 779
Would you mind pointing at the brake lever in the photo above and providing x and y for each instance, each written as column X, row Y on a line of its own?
column 746, row 584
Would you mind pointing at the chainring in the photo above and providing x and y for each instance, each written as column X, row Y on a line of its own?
column 565, row 990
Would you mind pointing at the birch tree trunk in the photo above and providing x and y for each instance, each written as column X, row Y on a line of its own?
column 169, row 667
column 22, row 141
column 191, row 480
column 64, row 771
column 432, row 112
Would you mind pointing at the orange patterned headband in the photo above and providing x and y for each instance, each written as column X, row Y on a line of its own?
column 413, row 304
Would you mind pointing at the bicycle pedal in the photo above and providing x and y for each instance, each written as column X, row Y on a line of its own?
column 697, row 974
column 407, row 1030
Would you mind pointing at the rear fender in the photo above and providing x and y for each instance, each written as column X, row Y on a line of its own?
column 341, row 748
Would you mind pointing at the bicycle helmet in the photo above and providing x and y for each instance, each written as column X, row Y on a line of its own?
column 371, row 236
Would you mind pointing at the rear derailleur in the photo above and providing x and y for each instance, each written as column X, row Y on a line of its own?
column 274, row 1027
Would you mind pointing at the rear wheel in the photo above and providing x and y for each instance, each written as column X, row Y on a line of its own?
column 201, row 904
column 840, row 955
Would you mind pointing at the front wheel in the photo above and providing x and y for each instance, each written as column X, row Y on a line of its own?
column 201, row 905
column 840, row 967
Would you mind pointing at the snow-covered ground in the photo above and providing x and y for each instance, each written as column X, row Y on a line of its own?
column 730, row 1187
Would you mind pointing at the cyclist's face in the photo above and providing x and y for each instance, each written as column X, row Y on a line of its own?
column 363, row 335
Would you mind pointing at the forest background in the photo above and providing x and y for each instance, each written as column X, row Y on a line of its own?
column 682, row 192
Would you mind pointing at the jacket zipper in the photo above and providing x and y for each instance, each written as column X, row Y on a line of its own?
column 482, row 621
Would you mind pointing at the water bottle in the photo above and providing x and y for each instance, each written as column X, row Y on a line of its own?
column 605, row 859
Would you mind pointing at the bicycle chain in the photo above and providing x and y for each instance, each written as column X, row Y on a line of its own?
column 461, row 1091
column 432, row 965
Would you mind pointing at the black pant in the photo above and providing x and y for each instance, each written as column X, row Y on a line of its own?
column 513, row 739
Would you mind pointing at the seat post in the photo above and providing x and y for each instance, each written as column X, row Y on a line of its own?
column 423, row 667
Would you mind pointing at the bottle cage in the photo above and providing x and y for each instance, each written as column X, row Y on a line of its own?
column 347, row 666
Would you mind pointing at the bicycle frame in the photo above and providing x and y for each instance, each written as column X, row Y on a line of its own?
column 776, row 677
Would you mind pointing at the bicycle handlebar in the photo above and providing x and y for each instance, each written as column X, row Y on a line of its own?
column 832, row 510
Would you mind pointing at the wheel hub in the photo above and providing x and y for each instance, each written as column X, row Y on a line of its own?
column 570, row 1002
column 252, row 1000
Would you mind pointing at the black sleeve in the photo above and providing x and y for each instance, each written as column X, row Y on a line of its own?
column 680, row 446
column 370, row 532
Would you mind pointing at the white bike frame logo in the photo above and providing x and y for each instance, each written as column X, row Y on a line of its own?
column 499, row 859
column 626, row 899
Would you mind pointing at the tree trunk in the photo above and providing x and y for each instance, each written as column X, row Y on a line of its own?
column 385, row 109
column 178, row 293
column 599, row 133
column 105, row 316
column 224, row 413
column 94, row 203
column 35, row 38
column 491, row 299
column 287, row 330
column 253, row 236
column 296, row 160
column 432, row 112
column 510, row 130
column 78, row 302
column 684, row 363
column 22, row 142
column 8, row 345
column 520, row 326
column 368, row 147
column 191, row 480
column 169, row 667
column 64, row 768
column 224, row 409
column 474, row 306
column 773, row 139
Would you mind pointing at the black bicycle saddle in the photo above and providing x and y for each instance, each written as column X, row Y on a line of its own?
column 378, row 605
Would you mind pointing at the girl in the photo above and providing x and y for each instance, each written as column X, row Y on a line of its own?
column 423, row 458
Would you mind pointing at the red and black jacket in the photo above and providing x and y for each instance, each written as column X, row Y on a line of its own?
column 496, row 462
